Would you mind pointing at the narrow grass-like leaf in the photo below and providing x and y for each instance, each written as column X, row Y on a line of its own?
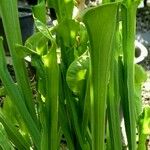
column 4, row 141
column 44, row 130
column 114, row 140
column 128, row 27
column 63, row 118
column 113, row 108
column 72, row 113
column 13, row 134
column 16, row 97
column 52, row 82
column 75, row 121
column 11, row 23
column 86, row 111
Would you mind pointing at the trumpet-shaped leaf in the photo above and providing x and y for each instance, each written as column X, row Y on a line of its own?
column 101, row 28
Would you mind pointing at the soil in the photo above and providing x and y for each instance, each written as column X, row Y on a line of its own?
column 146, row 91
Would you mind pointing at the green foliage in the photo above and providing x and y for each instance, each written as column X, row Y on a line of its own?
column 63, row 8
column 140, row 77
column 4, row 141
column 84, row 75
column 77, row 73
column 100, row 32
column 144, row 128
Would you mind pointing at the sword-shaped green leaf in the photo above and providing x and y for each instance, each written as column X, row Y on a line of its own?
column 11, row 26
column 128, row 37
column 4, row 141
column 113, row 108
column 13, row 134
column 51, row 101
column 16, row 97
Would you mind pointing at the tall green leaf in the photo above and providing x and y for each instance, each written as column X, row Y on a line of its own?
column 101, row 27
column 128, row 11
column 52, row 82
column 113, row 108
column 16, row 97
column 4, row 141
column 10, row 19
column 14, row 136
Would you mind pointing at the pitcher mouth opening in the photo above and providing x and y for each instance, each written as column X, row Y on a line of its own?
column 141, row 52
